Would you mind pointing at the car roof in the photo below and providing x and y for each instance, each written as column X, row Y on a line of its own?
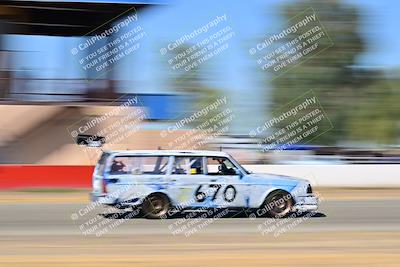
column 205, row 153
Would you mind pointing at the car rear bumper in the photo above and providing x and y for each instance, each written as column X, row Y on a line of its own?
column 110, row 201
column 101, row 198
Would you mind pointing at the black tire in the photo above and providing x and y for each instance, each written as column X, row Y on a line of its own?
column 156, row 206
column 278, row 204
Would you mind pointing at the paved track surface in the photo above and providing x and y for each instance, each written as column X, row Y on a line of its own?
column 347, row 232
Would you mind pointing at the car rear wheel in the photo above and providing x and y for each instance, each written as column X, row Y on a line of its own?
column 278, row 204
column 156, row 206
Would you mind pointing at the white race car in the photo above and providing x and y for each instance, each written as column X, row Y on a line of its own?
column 159, row 181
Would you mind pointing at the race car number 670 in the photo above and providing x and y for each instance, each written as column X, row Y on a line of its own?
column 229, row 193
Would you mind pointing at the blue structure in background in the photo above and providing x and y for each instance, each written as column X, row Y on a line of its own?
column 162, row 106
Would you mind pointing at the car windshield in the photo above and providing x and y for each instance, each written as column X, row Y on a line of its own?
column 238, row 165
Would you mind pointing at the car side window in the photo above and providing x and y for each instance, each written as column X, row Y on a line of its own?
column 188, row 165
column 138, row 165
column 220, row 166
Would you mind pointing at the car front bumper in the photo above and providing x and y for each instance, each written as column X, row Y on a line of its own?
column 306, row 203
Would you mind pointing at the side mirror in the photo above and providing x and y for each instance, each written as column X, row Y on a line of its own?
column 238, row 172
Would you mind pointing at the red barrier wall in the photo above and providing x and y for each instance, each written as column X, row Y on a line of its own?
column 39, row 176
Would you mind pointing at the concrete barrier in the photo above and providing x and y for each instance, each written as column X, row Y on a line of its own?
column 363, row 175
column 39, row 176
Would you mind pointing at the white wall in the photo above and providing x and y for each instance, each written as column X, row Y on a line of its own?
column 338, row 175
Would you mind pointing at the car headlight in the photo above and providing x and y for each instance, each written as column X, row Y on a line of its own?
column 309, row 189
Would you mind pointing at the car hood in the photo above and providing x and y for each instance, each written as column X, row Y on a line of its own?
column 267, row 178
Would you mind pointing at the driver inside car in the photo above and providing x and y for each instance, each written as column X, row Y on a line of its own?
column 223, row 169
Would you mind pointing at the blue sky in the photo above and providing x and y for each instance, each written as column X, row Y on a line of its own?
column 379, row 28
column 233, row 70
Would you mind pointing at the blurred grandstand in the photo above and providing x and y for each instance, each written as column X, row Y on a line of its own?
column 36, row 111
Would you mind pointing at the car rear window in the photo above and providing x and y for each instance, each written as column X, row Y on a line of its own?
column 137, row 165
column 101, row 164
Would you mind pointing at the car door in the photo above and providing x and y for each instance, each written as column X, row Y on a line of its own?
column 233, row 192
column 189, row 185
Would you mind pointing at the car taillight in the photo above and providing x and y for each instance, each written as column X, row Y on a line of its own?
column 309, row 189
column 104, row 186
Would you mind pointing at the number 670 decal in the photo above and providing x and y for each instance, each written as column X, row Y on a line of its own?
column 229, row 192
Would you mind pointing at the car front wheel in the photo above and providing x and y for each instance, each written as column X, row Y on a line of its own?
column 278, row 204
